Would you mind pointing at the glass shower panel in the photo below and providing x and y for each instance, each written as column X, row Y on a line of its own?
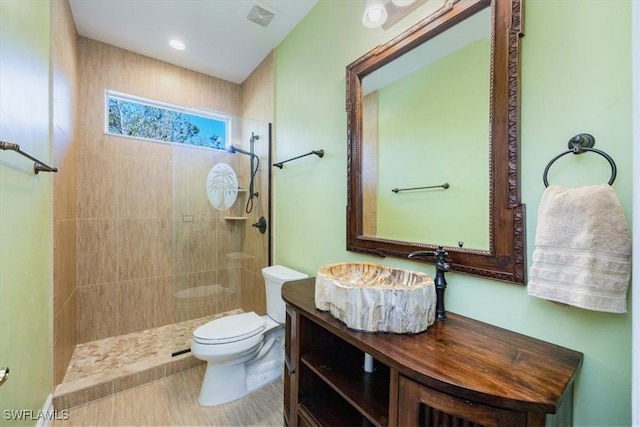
column 218, row 248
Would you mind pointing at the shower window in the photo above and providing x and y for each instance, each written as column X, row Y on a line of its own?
column 136, row 117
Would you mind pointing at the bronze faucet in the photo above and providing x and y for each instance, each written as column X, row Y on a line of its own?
column 441, row 284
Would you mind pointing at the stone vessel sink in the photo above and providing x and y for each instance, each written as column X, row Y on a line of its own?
column 375, row 298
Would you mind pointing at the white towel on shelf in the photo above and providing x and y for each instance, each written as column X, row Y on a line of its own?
column 582, row 254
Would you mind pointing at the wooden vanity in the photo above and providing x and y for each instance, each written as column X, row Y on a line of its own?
column 458, row 372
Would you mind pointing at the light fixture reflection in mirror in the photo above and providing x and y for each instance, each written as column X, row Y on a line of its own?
column 402, row 3
column 504, row 257
column 384, row 13
column 375, row 14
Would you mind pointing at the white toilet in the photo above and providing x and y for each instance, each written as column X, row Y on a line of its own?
column 244, row 351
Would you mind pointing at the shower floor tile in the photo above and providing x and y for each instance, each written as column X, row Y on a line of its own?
column 103, row 367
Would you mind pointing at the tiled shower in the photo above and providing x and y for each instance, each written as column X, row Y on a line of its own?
column 137, row 245
column 149, row 241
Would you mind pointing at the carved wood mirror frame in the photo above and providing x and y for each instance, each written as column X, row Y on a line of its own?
column 506, row 257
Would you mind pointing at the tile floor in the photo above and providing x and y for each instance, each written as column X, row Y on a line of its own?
column 173, row 401
column 132, row 380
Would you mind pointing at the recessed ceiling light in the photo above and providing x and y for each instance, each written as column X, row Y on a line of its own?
column 177, row 45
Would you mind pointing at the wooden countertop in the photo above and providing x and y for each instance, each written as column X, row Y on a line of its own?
column 461, row 356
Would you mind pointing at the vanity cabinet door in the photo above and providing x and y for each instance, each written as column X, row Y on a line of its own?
column 290, row 367
column 423, row 406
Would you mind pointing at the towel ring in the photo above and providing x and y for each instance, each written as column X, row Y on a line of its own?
column 577, row 145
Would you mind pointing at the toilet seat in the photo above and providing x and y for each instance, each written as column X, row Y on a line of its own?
column 230, row 329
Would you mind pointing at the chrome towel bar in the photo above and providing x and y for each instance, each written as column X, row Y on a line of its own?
column 38, row 166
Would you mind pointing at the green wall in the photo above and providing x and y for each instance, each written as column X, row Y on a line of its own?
column 576, row 77
column 25, row 209
column 430, row 122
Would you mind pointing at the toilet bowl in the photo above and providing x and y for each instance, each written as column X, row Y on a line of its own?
column 244, row 351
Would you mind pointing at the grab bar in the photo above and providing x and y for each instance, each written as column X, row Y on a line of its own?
column 319, row 153
column 397, row 190
column 38, row 166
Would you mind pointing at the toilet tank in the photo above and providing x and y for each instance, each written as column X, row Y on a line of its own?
column 274, row 277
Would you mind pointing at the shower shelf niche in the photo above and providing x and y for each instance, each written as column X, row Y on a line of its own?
column 237, row 217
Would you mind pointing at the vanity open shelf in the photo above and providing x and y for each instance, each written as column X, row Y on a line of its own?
column 459, row 371
column 351, row 387
column 326, row 407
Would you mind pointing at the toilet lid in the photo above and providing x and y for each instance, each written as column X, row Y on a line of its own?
column 230, row 328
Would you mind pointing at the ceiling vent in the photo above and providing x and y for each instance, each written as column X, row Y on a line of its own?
column 260, row 15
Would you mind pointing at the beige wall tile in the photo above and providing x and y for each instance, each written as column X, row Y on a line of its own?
column 97, row 312
column 64, row 157
column 136, row 305
column 97, row 251
column 134, row 181
column 97, row 196
column 163, row 301
column 252, row 293
column 258, row 91
column 127, row 146
column 201, row 294
column 162, row 187
column 163, row 264
column 64, row 337
column 64, row 255
column 136, row 248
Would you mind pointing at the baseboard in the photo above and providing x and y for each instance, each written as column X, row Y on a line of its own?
column 47, row 409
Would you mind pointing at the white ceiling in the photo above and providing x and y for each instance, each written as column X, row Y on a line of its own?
column 220, row 40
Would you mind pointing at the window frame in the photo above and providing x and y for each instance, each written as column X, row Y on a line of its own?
column 213, row 115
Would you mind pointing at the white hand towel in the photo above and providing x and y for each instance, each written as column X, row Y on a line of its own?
column 582, row 254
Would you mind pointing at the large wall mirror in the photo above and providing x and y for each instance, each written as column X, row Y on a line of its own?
column 433, row 141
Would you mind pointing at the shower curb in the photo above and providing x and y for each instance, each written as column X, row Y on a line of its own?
column 85, row 390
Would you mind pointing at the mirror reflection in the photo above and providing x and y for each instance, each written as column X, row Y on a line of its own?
column 426, row 123
column 449, row 118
